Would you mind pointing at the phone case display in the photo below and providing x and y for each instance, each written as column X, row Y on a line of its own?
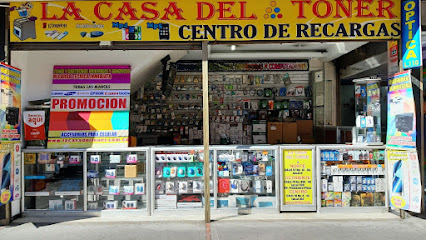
column 179, row 181
column 53, row 180
column 116, row 180
column 353, row 178
column 367, row 111
column 246, row 178
column 236, row 100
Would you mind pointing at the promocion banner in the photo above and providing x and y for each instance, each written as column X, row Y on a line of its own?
column 401, row 132
column 188, row 20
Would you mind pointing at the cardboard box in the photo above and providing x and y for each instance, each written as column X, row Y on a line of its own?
column 290, row 132
column 305, row 128
column 259, row 139
column 130, row 171
column 274, row 132
column 259, row 126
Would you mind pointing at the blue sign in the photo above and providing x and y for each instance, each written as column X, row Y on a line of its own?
column 411, row 34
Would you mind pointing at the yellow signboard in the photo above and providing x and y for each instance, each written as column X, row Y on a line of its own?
column 298, row 177
column 189, row 20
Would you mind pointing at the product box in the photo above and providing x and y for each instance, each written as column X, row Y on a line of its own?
column 227, row 202
column 337, row 202
column 259, row 126
column 223, row 185
column 274, row 132
column 346, row 199
column 259, row 139
column 55, row 205
column 305, row 128
column 264, row 202
column 289, row 132
column 130, row 171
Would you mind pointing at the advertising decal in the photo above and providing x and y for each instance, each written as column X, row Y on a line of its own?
column 298, row 178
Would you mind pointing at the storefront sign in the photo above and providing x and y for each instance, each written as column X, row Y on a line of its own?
column 10, row 103
column 411, row 34
column 393, row 58
column 34, row 125
column 405, row 188
column 401, row 131
column 90, row 105
column 244, row 66
column 188, row 20
column 298, row 177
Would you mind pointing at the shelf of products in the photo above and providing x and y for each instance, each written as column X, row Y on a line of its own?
column 117, row 180
column 353, row 177
column 179, row 182
column 246, row 178
column 53, row 180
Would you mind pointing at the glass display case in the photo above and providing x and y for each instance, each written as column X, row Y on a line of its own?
column 53, row 180
column 246, row 177
column 117, row 179
column 352, row 177
column 178, row 177
column 367, row 111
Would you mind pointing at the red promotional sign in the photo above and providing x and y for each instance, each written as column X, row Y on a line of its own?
column 34, row 125
column 70, row 104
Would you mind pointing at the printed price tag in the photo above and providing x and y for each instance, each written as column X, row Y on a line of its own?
column 95, row 159
column 114, row 158
column 132, row 158
column 74, row 159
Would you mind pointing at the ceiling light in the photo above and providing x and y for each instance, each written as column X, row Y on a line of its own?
column 233, row 47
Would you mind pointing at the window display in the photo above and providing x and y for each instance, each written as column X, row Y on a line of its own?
column 352, row 177
column 179, row 178
column 53, row 180
column 246, row 178
column 116, row 180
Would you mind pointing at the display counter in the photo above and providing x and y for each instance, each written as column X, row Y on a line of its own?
column 259, row 178
column 352, row 177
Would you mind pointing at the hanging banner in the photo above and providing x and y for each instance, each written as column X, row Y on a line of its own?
column 411, row 34
column 90, row 106
column 244, row 66
column 188, row 20
column 34, row 125
column 7, row 167
column 298, row 178
column 404, row 180
column 393, row 58
column 10, row 103
column 401, row 131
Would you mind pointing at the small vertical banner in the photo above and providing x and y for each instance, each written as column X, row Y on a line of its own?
column 393, row 58
column 411, row 34
column 34, row 125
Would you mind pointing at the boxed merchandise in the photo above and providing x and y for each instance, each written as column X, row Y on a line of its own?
column 263, row 202
column 259, row 139
column 274, row 133
column 259, row 126
column 379, row 199
column 165, row 201
column 329, row 196
column 355, row 200
column 227, row 202
column 130, row 171
column 289, row 132
column 329, row 203
column 346, row 199
column 367, row 199
column 55, row 205
column 337, row 202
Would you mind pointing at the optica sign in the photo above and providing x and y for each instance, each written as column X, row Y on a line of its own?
column 411, row 34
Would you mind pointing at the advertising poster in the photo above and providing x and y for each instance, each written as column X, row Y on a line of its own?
column 10, row 103
column 90, row 107
column 393, row 58
column 207, row 20
column 401, row 132
column 34, row 125
column 6, row 173
column 404, row 180
column 298, row 178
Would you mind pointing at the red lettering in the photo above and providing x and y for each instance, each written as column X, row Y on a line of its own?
column 361, row 8
column 107, row 103
column 381, row 8
column 71, row 103
column 200, row 9
column 301, row 7
column 70, row 10
column 113, row 103
column 316, row 9
column 347, row 10
column 55, row 102
column 92, row 103
column 173, row 10
column 243, row 12
column 101, row 102
column 98, row 10
column 44, row 13
column 146, row 9
column 122, row 103
column 126, row 9
column 63, row 104
column 223, row 8
column 82, row 103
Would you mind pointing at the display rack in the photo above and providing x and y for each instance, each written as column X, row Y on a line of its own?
column 356, row 173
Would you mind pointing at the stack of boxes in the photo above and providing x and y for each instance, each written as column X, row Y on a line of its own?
column 259, row 132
